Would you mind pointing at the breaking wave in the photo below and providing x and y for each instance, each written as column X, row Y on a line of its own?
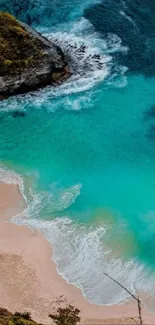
column 91, row 62
column 79, row 252
column 82, row 258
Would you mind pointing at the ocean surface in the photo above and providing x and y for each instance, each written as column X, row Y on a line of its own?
column 83, row 152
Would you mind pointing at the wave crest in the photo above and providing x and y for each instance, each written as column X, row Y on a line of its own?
column 91, row 59
column 82, row 258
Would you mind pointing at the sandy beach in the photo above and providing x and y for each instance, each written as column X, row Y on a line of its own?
column 28, row 277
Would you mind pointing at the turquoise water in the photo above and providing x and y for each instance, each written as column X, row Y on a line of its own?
column 85, row 154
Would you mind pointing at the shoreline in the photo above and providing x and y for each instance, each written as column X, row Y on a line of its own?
column 32, row 282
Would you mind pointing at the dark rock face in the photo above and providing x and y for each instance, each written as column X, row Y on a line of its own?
column 49, row 68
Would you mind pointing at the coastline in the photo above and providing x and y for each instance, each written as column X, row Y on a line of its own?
column 29, row 280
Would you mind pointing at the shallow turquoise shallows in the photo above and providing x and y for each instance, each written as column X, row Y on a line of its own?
column 86, row 153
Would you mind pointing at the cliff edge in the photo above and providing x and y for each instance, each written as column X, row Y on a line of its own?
column 28, row 60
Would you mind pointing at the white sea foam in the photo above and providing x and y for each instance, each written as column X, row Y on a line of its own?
column 91, row 61
column 57, row 199
column 89, row 55
column 10, row 177
column 78, row 251
column 81, row 259
column 128, row 18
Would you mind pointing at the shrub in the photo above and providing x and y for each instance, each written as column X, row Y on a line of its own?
column 24, row 315
column 68, row 315
column 18, row 49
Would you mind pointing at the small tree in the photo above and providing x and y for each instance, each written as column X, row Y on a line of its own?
column 68, row 315
column 26, row 315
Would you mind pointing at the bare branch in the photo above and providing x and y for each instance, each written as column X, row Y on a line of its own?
column 140, row 311
column 135, row 320
column 132, row 295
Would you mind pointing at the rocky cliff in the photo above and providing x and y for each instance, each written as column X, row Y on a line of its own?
column 27, row 59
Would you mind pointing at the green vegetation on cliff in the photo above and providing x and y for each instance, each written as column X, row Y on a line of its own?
column 67, row 315
column 7, row 318
column 18, row 49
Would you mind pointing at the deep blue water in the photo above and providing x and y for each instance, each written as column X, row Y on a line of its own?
column 85, row 150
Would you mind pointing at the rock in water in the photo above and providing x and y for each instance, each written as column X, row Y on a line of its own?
column 27, row 59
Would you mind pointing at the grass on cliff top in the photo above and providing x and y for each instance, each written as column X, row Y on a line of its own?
column 65, row 315
column 7, row 318
column 18, row 49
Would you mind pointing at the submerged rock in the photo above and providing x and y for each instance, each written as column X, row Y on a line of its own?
column 27, row 59
column 18, row 114
column 150, row 114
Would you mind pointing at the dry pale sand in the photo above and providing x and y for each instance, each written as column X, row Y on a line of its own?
column 28, row 277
